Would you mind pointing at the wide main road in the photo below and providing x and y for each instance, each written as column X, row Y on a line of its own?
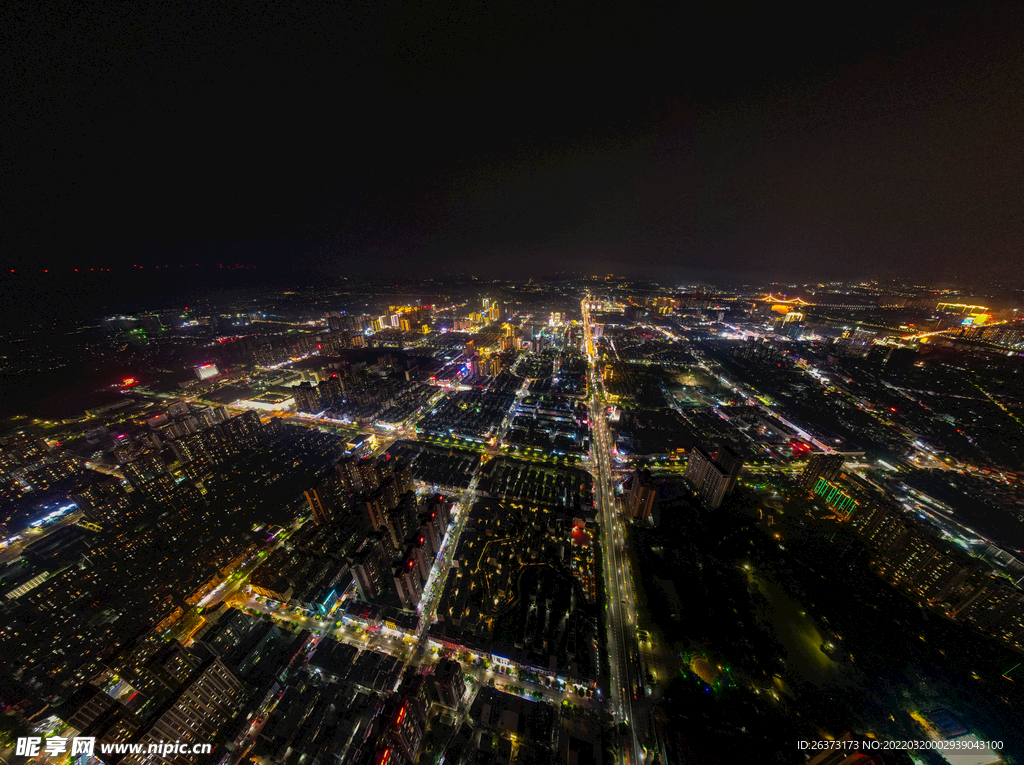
column 623, row 651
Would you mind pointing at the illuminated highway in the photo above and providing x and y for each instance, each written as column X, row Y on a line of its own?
column 626, row 685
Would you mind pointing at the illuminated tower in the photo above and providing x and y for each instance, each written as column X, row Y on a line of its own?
column 820, row 465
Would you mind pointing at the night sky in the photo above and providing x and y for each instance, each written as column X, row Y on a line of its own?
column 514, row 139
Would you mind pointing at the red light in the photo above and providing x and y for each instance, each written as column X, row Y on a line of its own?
column 401, row 715
column 410, row 564
column 128, row 381
column 892, row 409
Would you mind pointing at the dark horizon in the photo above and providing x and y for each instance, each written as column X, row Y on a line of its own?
column 460, row 141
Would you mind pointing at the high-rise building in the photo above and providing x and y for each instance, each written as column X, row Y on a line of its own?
column 327, row 496
column 419, row 550
column 389, row 489
column 401, row 520
column 447, row 682
column 217, row 444
column 696, row 465
column 375, row 511
column 351, row 480
column 189, row 448
column 868, row 516
column 144, row 468
column 370, row 567
column 946, row 572
column 844, row 500
column 204, row 417
column 489, row 366
column 245, row 430
column 206, row 371
column 709, row 479
column 431, row 530
column 176, row 408
column 369, row 474
column 821, row 465
column 642, row 494
column 993, row 606
column 408, row 714
column 730, row 463
column 402, row 470
column 307, row 398
column 927, row 566
column 103, row 501
column 890, row 534
column 210, row 698
column 408, row 583
column 396, row 732
column 441, row 507
column 160, row 491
